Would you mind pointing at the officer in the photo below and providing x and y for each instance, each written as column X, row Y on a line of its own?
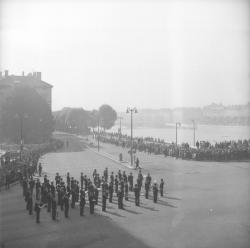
column 82, row 202
column 161, row 187
column 111, row 190
column 137, row 195
column 66, row 204
column 155, row 191
column 53, row 205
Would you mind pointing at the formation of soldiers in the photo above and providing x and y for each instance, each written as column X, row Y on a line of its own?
column 222, row 151
column 61, row 194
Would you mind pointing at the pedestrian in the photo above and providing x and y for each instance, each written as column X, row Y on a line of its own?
column 147, row 185
column 116, row 184
column 40, row 169
column 49, row 201
column 161, row 187
column 37, row 209
column 30, row 204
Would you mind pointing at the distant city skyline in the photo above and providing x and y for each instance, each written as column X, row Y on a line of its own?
column 147, row 54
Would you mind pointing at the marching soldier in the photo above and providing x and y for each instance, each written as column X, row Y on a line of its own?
column 155, row 192
column 161, row 187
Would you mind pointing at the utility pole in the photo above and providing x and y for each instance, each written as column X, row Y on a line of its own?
column 98, row 133
column 131, row 111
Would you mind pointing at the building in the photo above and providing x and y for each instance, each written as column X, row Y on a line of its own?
column 33, row 80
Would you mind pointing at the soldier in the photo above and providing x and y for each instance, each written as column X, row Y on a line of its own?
column 148, row 178
column 82, row 202
column 112, row 177
column 37, row 209
column 137, row 163
column 49, row 200
column 130, row 180
column 137, row 195
column 32, row 184
column 82, row 179
column 155, row 191
column 53, row 205
column 96, row 195
column 105, row 174
column 104, row 196
column 111, row 190
column 25, row 186
column 68, row 178
column 66, row 205
column 147, row 185
column 126, row 190
column 116, row 184
column 161, row 187
column 91, row 199
column 53, row 189
column 120, row 198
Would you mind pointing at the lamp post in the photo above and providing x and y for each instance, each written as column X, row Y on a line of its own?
column 194, row 130
column 131, row 111
column 98, row 139
column 177, row 124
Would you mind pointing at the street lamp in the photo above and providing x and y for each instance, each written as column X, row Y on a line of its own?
column 131, row 111
column 177, row 124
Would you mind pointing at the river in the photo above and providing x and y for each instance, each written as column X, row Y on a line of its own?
column 184, row 134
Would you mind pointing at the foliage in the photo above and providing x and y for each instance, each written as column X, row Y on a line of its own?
column 107, row 116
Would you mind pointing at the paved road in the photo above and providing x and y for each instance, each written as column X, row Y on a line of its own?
column 205, row 205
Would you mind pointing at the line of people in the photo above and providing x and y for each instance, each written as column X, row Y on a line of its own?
column 60, row 194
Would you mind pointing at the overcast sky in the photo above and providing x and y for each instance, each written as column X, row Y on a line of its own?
column 148, row 54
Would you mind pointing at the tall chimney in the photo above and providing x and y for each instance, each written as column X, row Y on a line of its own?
column 6, row 73
column 39, row 75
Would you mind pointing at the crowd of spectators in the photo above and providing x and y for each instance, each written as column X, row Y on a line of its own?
column 203, row 151
column 13, row 164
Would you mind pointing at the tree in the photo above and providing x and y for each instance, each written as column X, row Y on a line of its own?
column 107, row 116
column 26, row 116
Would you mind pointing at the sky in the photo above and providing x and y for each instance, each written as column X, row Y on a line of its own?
column 144, row 54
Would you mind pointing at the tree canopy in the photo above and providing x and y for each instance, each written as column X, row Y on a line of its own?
column 25, row 113
column 107, row 116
